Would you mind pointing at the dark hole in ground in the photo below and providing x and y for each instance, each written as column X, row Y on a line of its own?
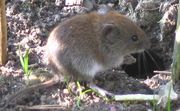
column 144, row 66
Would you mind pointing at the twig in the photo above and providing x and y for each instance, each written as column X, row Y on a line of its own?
column 133, row 97
column 41, row 107
column 163, row 72
column 161, row 97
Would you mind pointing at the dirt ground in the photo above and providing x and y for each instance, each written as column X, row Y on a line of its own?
column 31, row 21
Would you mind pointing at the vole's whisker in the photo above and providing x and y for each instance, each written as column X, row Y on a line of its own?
column 152, row 58
column 145, row 63
column 139, row 63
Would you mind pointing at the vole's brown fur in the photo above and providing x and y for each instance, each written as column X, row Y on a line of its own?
column 87, row 44
column 75, row 46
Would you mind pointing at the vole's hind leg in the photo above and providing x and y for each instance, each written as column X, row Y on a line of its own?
column 101, row 91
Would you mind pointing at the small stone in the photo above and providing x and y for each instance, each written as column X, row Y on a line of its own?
column 43, row 98
column 65, row 91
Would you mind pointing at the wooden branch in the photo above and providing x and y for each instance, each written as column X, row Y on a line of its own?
column 176, row 53
column 3, row 33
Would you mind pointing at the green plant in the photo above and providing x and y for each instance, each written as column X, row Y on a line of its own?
column 81, row 94
column 24, row 60
column 154, row 103
column 169, row 100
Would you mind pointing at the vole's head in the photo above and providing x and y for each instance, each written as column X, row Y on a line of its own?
column 121, row 35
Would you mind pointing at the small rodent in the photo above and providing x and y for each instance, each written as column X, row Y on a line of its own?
column 90, row 43
column 87, row 44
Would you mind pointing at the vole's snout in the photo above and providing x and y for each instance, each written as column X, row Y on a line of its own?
column 144, row 45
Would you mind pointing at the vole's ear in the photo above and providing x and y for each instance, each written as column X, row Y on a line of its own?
column 110, row 31
column 90, row 5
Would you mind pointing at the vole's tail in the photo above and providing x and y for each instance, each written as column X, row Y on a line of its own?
column 54, row 80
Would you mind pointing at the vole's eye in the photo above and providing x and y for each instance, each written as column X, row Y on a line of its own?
column 134, row 38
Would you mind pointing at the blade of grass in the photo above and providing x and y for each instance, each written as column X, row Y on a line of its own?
column 26, row 62
column 169, row 100
column 80, row 94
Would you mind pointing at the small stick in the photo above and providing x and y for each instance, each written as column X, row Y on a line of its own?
column 163, row 72
column 130, row 97
column 41, row 107
column 165, row 92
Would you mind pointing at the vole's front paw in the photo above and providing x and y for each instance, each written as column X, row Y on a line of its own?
column 129, row 59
